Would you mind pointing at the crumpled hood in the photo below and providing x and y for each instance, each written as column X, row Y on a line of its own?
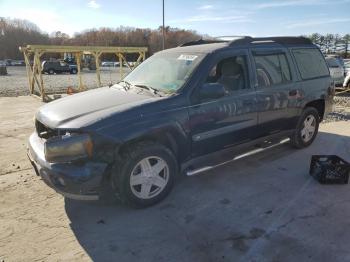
column 88, row 107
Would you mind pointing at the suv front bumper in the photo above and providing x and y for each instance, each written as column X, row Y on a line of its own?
column 75, row 180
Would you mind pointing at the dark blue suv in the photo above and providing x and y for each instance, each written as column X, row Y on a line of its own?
column 183, row 110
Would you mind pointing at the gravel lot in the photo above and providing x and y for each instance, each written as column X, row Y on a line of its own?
column 16, row 82
column 261, row 208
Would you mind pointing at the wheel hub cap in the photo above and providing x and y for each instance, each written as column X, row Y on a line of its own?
column 309, row 128
column 149, row 177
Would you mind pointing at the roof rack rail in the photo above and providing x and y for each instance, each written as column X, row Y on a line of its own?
column 202, row 42
column 283, row 40
column 231, row 38
column 243, row 40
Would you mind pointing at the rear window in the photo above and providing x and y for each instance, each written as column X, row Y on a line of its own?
column 310, row 62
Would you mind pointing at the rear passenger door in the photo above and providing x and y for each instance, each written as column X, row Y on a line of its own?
column 277, row 93
column 221, row 123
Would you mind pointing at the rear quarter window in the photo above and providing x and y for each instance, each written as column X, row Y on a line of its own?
column 310, row 63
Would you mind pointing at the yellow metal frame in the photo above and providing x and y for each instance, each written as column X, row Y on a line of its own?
column 34, row 72
column 342, row 90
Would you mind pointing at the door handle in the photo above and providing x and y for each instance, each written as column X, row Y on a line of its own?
column 293, row 92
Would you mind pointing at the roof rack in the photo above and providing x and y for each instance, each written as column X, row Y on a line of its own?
column 283, row 40
column 202, row 42
column 241, row 40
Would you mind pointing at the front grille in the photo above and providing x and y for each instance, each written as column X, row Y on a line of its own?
column 44, row 131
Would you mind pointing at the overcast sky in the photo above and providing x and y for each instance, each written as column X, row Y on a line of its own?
column 213, row 17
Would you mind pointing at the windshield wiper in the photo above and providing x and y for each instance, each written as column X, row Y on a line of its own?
column 127, row 85
column 155, row 91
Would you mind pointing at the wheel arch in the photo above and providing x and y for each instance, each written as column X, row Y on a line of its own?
column 165, row 138
column 319, row 105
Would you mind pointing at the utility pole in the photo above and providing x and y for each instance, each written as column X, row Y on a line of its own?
column 163, row 32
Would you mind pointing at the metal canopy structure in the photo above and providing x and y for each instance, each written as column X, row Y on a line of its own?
column 35, row 52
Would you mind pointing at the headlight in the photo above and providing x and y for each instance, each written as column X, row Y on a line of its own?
column 68, row 147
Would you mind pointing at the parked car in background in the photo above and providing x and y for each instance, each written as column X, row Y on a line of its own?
column 8, row 62
column 347, row 74
column 109, row 64
column 336, row 71
column 338, row 58
column 58, row 67
column 3, row 69
column 18, row 63
column 346, row 67
column 178, row 111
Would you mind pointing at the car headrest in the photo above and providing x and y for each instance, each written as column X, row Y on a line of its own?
column 230, row 68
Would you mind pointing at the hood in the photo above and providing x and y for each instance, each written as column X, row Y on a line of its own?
column 79, row 110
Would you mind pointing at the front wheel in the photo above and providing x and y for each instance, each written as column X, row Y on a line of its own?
column 145, row 174
column 306, row 129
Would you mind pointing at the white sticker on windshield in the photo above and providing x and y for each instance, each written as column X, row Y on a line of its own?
column 187, row 57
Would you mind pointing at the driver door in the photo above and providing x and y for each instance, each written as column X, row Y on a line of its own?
column 229, row 120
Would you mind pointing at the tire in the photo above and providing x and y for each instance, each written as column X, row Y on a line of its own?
column 73, row 71
column 51, row 71
column 141, row 188
column 306, row 129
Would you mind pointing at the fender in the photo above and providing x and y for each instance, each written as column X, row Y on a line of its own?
column 168, row 129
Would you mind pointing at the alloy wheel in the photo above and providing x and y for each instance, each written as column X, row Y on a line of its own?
column 149, row 177
column 309, row 127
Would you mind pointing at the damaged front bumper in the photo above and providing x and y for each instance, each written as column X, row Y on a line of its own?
column 76, row 180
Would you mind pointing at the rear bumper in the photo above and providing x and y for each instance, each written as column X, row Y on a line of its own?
column 80, row 181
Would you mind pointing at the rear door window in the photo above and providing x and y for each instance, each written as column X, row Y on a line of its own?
column 310, row 62
column 272, row 69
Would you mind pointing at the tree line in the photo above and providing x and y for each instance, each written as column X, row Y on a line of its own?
column 17, row 32
column 332, row 43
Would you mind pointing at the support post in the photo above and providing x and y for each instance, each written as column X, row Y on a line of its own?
column 97, row 61
column 28, row 69
column 32, row 83
column 78, row 58
column 120, row 66
column 126, row 62
column 39, row 68
column 138, row 59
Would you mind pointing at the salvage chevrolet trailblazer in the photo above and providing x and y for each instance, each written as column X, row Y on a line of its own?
column 183, row 110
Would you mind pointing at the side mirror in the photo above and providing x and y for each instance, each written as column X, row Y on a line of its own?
column 212, row 91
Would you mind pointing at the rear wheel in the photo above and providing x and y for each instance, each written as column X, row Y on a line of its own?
column 73, row 71
column 307, row 128
column 51, row 71
column 145, row 174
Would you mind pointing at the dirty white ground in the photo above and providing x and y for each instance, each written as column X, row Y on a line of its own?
column 262, row 208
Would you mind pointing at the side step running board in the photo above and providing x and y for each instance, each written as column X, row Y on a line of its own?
column 249, row 153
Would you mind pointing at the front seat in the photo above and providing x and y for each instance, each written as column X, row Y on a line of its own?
column 231, row 76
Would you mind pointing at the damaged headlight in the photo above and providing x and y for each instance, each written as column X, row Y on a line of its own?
column 68, row 147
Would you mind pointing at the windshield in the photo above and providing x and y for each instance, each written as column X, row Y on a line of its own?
column 166, row 72
column 332, row 62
